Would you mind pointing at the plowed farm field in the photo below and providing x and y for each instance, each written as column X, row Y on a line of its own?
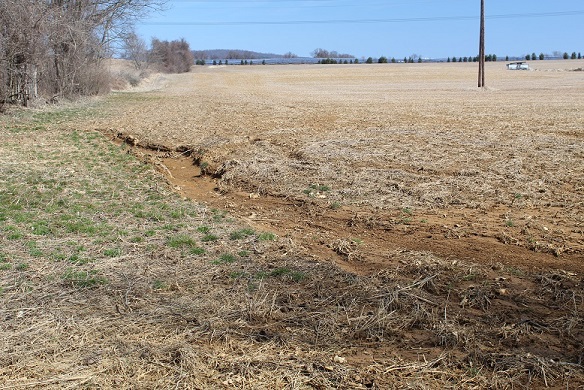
column 414, row 154
column 382, row 226
column 460, row 209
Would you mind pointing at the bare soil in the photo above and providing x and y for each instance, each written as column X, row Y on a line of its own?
column 402, row 156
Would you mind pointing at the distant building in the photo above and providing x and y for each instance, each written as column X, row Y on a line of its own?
column 518, row 66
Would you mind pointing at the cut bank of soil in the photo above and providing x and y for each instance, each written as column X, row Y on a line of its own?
column 317, row 228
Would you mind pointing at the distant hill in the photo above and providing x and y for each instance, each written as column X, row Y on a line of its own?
column 225, row 54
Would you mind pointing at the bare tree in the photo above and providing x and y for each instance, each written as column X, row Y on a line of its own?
column 320, row 53
column 55, row 47
column 172, row 57
column 135, row 50
column 21, row 48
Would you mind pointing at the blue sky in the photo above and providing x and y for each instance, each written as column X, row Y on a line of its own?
column 393, row 28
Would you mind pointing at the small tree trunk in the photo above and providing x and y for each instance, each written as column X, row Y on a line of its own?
column 35, row 85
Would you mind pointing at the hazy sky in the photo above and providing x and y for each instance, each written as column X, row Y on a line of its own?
column 394, row 28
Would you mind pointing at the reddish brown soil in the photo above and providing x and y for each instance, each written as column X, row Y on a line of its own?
column 315, row 227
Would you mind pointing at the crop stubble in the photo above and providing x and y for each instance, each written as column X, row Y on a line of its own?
column 387, row 142
column 504, row 163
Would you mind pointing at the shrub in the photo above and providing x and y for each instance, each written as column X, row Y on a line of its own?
column 172, row 57
column 131, row 78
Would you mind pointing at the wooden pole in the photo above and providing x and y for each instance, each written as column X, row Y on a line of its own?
column 482, row 47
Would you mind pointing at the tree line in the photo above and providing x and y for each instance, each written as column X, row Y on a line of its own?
column 565, row 56
column 221, row 54
column 164, row 56
column 323, row 53
column 488, row 58
column 56, row 48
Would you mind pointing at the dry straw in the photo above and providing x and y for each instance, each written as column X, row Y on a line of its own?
column 110, row 280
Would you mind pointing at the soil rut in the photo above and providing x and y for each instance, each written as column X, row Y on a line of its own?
column 356, row 239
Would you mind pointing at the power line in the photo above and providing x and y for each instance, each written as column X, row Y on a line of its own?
column 274, row 1
column 304, row 3
column 311, row 4
column 369, row 21
column 536, row 15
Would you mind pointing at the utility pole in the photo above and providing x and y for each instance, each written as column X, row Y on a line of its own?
column 482, row 47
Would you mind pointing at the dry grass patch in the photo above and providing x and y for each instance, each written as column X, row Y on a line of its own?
column 389, row 137
column 107, row 280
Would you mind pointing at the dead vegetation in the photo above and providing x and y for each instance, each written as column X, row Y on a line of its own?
column 503, row 163
column 109, row 279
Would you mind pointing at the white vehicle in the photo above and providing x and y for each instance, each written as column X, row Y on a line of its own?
column 518, row 66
